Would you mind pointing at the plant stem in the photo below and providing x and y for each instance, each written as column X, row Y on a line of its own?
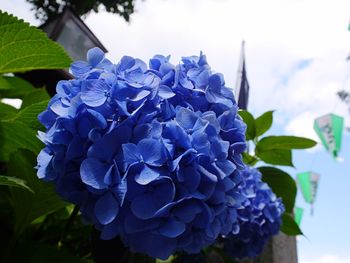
column 70, row 222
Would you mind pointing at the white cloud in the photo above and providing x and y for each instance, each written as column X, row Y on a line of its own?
column 279, row 35
column 327, row 259
column 13, row 102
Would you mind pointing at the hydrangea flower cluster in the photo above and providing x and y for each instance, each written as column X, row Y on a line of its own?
column 149, row 153
column 259, row 218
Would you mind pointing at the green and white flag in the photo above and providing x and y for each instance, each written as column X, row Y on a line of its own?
column 330, row 130
column 308, row 183
column 298, row 214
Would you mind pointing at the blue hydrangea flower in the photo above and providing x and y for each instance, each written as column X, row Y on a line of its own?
column 259, row 218
column 149, row 153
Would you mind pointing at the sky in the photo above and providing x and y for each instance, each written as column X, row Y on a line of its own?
column 296, row 54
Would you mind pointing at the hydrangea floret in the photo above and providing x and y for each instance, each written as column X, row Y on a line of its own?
column 259, row 218
column 149, row 153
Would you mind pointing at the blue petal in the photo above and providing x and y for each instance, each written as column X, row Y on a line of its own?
column 126, row 62
column 165, row 68
column 79, row 68
column 95, row 56
column 140, row 95
column 175, row 163
column 151, row 151
column 210, row 176
column 186, row 118
column 213, row 230
column 60, row 109
column 102, row 149
column 94, row 92
column 121, row 190
column 144, row 206
column 191, row 177
column 175, row 132
column 186, row 83
column 146, row 176
column 97, row 119
column 106, row 208
column 216, row 81
column 164, row 190
column 202, row 219
column 200, row 142
column 172, row 228
column 131, row 154
column 165, row 92
column 109, row 78
column 226, row 166
column 43, row 159
column 220, row 149
column 75, row 148
column 227, row 119
column 92, row 173
column 202, row 79
column 112, row 176
column 135, row 76
column 155, row 245
column 187, row 210
column 133, row 224
column 110, row 231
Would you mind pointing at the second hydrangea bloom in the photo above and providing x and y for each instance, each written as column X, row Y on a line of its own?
column 148, row 153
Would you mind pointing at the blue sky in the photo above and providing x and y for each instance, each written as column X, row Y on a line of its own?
column 295, row 52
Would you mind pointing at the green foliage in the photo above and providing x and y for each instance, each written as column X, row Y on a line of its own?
column 14, row 182
column 29, row 206
column 263, row 123
column 23, row 47
column 277, row 157
column 284, row 142
column 38, row 95
column 29, row 115
column 16, row 135
column 18, row 129
column 6, row 111
column 250, row 159
column 275, row 150
column 289, row 226
column 250, row 121
column 282, row 185
column 35, row 252
column 34, row 220
column 14, row 87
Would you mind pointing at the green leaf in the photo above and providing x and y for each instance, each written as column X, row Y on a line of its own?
column 289, row 226
column 24, row 47
column 263, row 123
column 14, row 182
column 276, row 157
column 282, row 184
column 6, row 111
column 20, row 130
column 284, row 142
column 249, row 159
column 168, row 260
column 14, row 87
column 249, row 120
column 29, row 115
column 27, row 206
column 15, row 135
column 35, row 252
column 35, row 96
